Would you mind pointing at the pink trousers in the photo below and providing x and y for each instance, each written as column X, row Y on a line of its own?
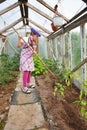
column 26, row 78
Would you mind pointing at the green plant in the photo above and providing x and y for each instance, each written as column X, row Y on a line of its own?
column 83, row 109
column 63, row 74
column 39, row 67
column 9, row 67
column 1, row 125
column 83, row 99
column 59, row 88
column 48, row 62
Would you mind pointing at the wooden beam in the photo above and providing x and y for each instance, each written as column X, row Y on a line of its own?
column 63, row 50
column 9, row 8
column 80, row 65
column 2, row 35
column 71, row 25
column 22, row 12
column 10, row 26
column 39, row 11
column 69, row 50
column 83, row 49
column 77, row 15
column 25, row 10
column 84, row 1
column 1, row 1
column 45, row 30
column 9, row 32
column 50, row 8
column 76, row 23
column 26, row 13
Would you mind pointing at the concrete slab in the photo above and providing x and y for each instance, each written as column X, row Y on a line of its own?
column 25, row 117
column 19, row 97
column 25, row 111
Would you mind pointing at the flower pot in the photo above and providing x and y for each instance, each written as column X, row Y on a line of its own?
column 57, row 21
column 54, row 28
column 3, row 39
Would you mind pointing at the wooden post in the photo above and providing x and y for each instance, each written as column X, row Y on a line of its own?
column 55, row 50
column 63, row 49
column 48, row 49
column 69, row 50
column 83, row 49
column 51, row 49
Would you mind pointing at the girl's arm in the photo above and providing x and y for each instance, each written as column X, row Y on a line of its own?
column 20, row 43
column 35, row 43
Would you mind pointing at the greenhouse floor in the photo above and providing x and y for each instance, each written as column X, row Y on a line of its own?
column 41, row 110
column 25, row 111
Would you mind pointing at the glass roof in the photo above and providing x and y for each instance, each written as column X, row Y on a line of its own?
column 68, row 8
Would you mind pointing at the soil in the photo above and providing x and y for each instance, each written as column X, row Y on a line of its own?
column 5, row 94
column 60, row 112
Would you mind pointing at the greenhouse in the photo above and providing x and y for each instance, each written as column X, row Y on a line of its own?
column 43, row 65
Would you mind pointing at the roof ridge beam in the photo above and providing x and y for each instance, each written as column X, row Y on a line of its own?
column 26, row 11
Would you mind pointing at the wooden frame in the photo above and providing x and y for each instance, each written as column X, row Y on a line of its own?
column 73, row 23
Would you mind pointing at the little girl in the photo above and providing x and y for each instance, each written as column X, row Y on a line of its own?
column 26, row 57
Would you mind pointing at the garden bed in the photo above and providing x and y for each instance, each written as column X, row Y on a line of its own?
column 60, row 112
column 5, row 94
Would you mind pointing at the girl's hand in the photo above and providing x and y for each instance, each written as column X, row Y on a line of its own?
column 19, row 36
column 34, row 52
column 19, row 41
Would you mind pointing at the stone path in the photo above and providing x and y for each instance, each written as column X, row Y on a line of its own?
column 25, row 110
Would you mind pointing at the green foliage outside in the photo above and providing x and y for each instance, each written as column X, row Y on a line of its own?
column 76, row 48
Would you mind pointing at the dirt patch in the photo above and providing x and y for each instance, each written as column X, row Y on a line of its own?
column 5, row 94
column 60, row 112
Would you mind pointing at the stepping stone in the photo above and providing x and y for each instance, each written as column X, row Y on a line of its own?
column 25, row 117
column 20, row 98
